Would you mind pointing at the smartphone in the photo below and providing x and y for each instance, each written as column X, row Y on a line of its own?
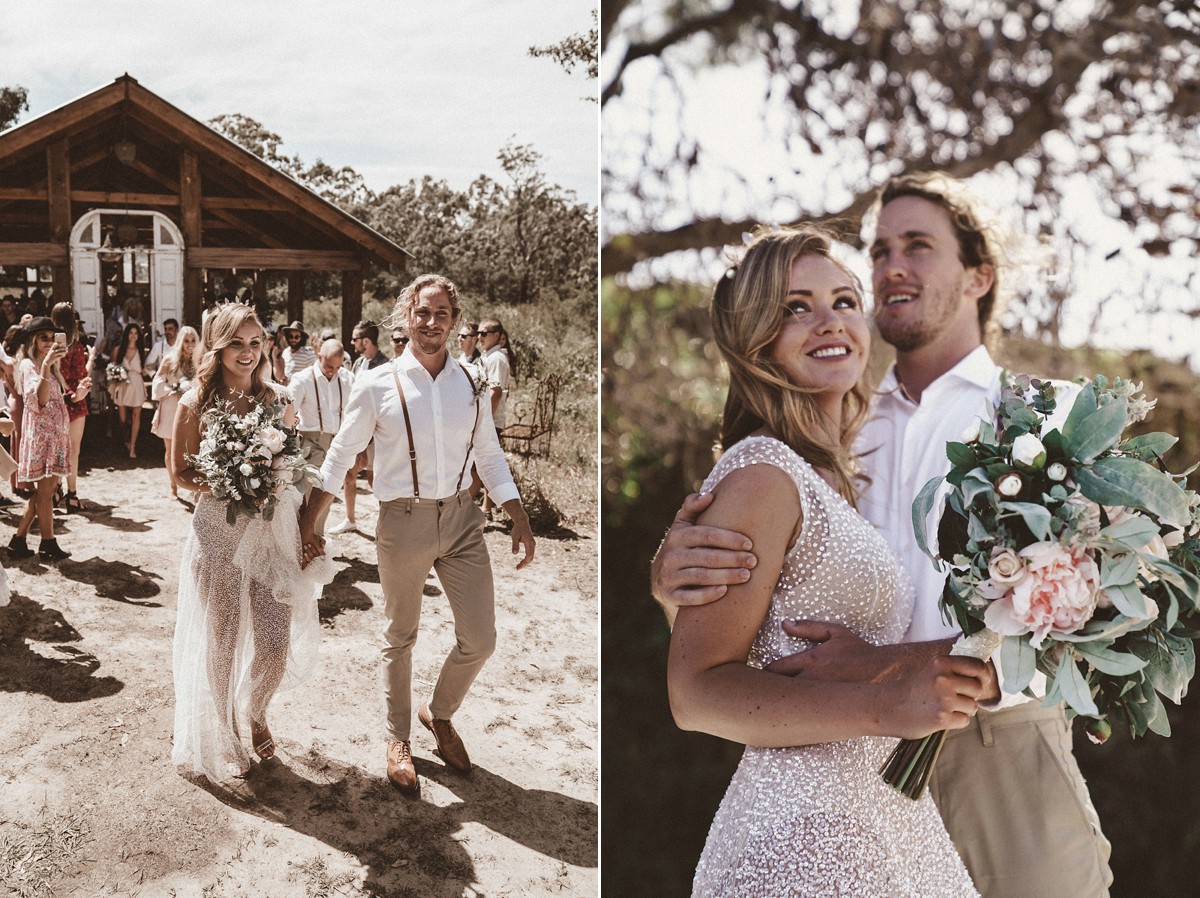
column 60, row 338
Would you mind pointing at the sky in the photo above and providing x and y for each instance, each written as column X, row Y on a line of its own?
column 395, row 89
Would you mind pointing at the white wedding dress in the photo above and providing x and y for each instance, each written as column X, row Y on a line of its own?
column 818, row 820
column 246, row 626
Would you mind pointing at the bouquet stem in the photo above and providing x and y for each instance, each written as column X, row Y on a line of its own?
column 909, row 767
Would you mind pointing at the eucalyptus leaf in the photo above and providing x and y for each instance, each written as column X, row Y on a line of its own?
column 1150, row 445
column 1156, row 714
column 921, row 508
column 1083, row 407
column 1133, row 532
column 1096, row 630
column 1110, row 662
column 1098, row 432
column 960, row 454
column 1018, row 663
column 1128, row 599
column 1037, row 517
column 1133, row 483
column 976, row 482
column 1074, row 688
column 1118, row 569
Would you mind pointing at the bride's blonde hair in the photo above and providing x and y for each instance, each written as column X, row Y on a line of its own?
column 747, row 314
column 220, row 327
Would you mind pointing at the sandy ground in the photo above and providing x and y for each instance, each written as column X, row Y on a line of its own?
column 90, row 804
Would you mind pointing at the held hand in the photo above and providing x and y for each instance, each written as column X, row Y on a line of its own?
column 311, row 545
column 942, row 695
column 696, row 565
column 83, row 389
column 839, row 654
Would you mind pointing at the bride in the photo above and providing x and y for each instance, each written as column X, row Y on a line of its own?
column 247, row 617
column 807, row 813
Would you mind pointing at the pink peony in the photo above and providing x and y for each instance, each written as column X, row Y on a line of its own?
column 1057, row 595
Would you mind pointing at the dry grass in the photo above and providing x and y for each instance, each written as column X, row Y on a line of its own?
column 31, row 861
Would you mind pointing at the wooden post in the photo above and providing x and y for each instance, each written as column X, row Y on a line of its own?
column 193, row 236
column 295, row 297
column 58, row 182
column 261, row 303
column 352, row 298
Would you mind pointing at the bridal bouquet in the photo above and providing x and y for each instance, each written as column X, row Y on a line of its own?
column 182, row 386
column 116, row 374
column 247, row 460
column 1075, row 553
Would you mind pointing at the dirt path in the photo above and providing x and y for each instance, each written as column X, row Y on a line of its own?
column 90, row 804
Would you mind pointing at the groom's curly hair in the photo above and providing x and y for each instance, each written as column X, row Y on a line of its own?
column 979, row 240
column 408, row 298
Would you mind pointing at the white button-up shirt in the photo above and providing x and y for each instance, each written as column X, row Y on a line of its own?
column 903, row 447
column 494, row 364
column 320, row 401
column 445, row 412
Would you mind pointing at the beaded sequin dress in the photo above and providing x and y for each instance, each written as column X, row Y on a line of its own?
column 246, row 626
column 818, row 820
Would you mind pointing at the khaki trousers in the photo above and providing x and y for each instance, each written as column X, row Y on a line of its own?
column 447, row 536
column 317, row 444
column 1017, row 807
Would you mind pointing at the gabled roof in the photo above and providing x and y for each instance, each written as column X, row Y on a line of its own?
column 245, row 201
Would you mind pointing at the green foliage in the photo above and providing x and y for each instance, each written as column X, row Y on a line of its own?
column 13, row 101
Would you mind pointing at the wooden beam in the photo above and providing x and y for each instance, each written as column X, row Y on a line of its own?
column 352, row 298
column 32, row 254
column 120, row 198
column 73, row 116
column 246, row 228
column 262, row 304
column 295, row 297
column 24, row 193
column 79, row 163
column 242, row 202
column 155, row 175
column 193, row 234
column 58, row 183
column 279, row 259
column 58, row 166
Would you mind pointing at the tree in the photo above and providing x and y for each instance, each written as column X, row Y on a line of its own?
column 581, row 49
column 13, row 101
column 1100, row 98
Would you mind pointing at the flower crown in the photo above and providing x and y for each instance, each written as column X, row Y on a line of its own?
column 737, row 254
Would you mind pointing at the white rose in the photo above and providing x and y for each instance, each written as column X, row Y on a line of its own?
column 1005, row 566
column 272, row 438
column 1028, row 450
column 255, row 483
column 246, row 470
column 971, row 433
column 1057, row 471
column 1009, row 485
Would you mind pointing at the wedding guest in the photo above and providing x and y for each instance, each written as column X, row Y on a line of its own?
column 173, row 378
column 75, row 367
column 399, row 340
column 297, row 354
column 45, row 442
column 365, row 339
column 1008, row 785
column 494, row 361
column 427, row 421
column 161, row 347
column 320, row 393
column 247, row 620
column 9, row 314
column 468, row 337
column 788, row 320
column 129, row 395
column 274, row 354
column 13, row 338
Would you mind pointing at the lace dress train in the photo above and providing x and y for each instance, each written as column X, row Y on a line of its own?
column 818, row 820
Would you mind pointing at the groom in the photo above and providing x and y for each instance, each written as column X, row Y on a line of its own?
column 1008, row 787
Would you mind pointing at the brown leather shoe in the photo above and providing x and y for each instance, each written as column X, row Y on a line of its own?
column 400, row 769
column 449, row 745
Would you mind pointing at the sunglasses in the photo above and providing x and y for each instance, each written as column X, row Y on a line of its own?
column 485, row 333
column 400, row 340
column 466, row 336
